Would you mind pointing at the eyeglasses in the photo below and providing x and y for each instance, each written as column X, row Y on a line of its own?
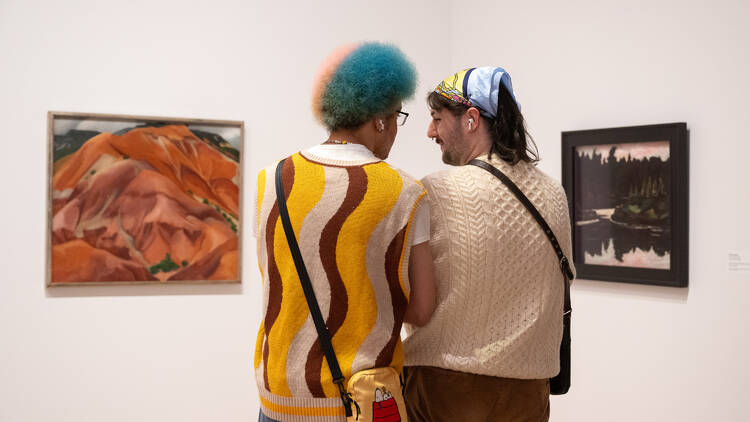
column 401, row 117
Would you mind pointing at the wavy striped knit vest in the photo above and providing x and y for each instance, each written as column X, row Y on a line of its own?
column 351, row 220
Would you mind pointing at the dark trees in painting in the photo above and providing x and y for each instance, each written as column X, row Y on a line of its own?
column 627, row 191
column 638, row 189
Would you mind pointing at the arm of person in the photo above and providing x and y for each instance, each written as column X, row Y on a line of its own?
column 422, row 281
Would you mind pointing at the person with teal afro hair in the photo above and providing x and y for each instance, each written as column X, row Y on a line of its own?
column 361, row 83
column 363, row 231
column 371, row 80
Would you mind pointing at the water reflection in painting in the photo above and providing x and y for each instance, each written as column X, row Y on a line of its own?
column 622, row 207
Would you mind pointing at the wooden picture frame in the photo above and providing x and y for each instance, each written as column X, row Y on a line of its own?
column 627, row 191
column 143, row 200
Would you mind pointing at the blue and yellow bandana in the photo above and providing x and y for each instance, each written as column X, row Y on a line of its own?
column 477, row 87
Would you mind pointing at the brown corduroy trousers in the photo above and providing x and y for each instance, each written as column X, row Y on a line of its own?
column 437, row 395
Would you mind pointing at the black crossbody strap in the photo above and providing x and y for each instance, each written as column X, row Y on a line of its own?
column 564, row 263
column 323, row 335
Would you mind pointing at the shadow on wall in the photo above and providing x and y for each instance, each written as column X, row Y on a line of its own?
column 641, row 291
column 145, row 290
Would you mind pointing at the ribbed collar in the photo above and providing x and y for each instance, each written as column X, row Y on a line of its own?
column 340, row 154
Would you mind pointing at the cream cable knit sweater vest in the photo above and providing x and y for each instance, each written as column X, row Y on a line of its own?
column 499, row 285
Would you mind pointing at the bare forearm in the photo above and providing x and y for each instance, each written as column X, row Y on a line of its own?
column 422, row 281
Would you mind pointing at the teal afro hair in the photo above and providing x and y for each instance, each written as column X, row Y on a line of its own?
column 370, row 81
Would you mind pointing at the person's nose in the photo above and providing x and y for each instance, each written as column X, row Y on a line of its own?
column 431, row 132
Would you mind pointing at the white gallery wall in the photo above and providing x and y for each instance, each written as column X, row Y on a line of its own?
column 171, row 353
column 643, row 353
column 161, row 353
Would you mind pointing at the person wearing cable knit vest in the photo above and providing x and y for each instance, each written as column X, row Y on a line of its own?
column 494, row 339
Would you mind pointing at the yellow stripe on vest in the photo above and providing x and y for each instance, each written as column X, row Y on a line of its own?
column 259, row 348
column 301, row 200
column 261, row 192
column 351, row 260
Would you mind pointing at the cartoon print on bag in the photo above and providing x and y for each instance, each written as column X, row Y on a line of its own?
column 384, row 408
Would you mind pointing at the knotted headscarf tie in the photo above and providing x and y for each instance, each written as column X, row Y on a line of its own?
column 477, row 87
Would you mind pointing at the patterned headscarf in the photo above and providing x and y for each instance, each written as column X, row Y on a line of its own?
column 477, row 87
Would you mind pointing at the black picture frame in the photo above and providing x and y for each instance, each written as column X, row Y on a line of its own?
column 665, row 229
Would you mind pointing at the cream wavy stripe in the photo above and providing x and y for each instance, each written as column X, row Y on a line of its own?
column 306, row 187
column 267, row 202
column 269, row 199
column 259, row 379
column 312, row 228
column 374, row 207
column 380, row 334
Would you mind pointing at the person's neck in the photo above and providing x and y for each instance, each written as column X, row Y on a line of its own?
column 348, row 137
column 480, row 148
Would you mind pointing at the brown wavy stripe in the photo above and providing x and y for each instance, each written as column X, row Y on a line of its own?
column 392, row 268
column 339, row 300
column 274, row 277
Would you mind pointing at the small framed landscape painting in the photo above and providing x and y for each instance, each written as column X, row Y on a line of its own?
column 627, row 191
column 143, row 200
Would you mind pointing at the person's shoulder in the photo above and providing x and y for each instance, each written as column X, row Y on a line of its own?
column 270, row 169
column 540, row 174
column 267, row 171
column 449, row 175
column 548, row 181
column 407, row 178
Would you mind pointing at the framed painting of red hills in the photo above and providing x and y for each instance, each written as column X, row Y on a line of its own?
column 143, row 200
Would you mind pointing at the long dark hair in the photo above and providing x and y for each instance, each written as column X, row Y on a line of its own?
column 510, row 139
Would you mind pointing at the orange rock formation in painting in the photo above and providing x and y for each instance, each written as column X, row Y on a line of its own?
column 123, row 204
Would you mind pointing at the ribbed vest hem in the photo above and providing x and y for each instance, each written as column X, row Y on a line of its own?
column 301, row 409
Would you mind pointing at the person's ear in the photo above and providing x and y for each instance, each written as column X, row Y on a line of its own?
column 380, row 125
column 472, row 119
